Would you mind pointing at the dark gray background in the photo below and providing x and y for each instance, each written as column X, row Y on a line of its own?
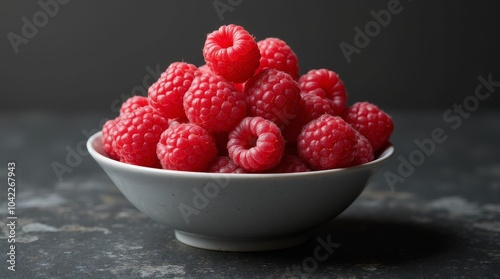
column 92, row 52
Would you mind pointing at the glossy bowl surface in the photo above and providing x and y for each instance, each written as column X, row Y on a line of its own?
column 238, row 212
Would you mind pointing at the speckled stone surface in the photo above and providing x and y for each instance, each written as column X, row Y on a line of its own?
column 442, row 221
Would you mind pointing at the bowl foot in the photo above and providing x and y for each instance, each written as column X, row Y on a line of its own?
column 237, row 244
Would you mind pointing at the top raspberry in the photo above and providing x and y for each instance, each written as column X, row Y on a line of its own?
column 166, row 95
column 232, row 53
column 276, row 54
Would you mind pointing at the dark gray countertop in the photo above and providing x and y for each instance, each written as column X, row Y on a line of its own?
column 442, row 221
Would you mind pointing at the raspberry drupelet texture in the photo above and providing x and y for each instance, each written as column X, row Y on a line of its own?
column 273, row 95
column 108, row 137
column 186, row 147
column 364, row 153
column 310, row 107
column 322, row 92
column 224, row 164
column 327, row 85
column 372, row 122
column 136, row 136
column 232, row 53
column 256, row 144
column 276, row 54
column 313, row 106
column 214, row 103
column 327, row 142
column 133, row 103
column 167, row 93
column 290, row 163
column 205, row 69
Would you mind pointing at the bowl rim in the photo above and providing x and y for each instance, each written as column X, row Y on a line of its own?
column 384, row 156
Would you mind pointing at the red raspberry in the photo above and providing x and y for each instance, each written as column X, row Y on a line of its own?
column 133, row 103
column 238, row 86
column 137, row 134
column 310, row 107
column 232, row 53
column 291, row 163
column 276, row 54
column 186, row 147
column 273, row 95
column 166, row 95
column 327, row 142
column 364, row 153
column 371, row 122
column 315, row 102
column 224, row 164
column 327, row 85
column 313, row 106
column 108, row 137
column 213, row 103
column 256, row 144
column 204, row 69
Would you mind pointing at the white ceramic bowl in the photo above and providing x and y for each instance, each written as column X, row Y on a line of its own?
column 238, row 212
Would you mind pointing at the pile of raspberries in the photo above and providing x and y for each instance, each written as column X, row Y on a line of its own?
column 247, row 110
